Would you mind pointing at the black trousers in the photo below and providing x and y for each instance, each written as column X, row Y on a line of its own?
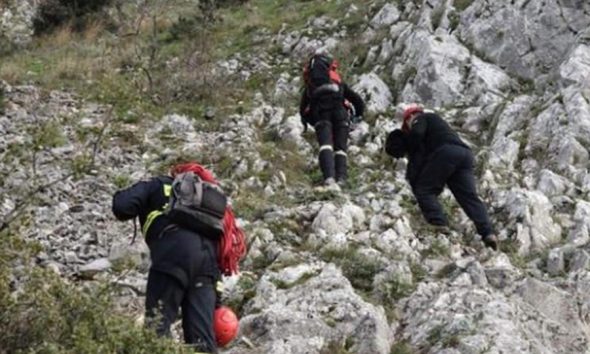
column 165, row 295
column 183, row 273
column 450, row 165
column 332, row 128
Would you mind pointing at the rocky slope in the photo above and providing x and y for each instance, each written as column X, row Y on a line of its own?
column 356, row 271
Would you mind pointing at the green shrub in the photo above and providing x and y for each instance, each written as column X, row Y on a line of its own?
column 49, row 315
column 397, row 288
column 247, row 286
column 357, row 267
column 437, row 248
column 48, row 135
column 54, row 13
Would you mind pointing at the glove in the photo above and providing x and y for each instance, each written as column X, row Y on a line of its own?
column 218, row 293
column 354, row 122
column 356, row 119
column 304, row 122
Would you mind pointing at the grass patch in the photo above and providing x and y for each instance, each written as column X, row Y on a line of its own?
column 247, row 290
column 358, row 268
column 283, row 156
column 396, row 289
column 437, row 249
column 261, row 263
column 336, row 347
column 286, row 225
column 81, row 165
column 419, row 273
column 461, row 5
column 510, row 247
column 250, row 204
column 435, row 334
column 446, row 271
column 402, row 348
column 451, row 341
column 454, row 20
column 122, row 181
column 48, row 135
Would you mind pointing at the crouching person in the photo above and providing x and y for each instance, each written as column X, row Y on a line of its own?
column 190, row 230
column 438, row 157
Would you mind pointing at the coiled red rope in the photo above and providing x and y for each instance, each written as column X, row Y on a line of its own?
column 232, row 246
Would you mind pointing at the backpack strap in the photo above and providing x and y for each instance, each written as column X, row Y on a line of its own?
column 167, row 190
column 134, row 230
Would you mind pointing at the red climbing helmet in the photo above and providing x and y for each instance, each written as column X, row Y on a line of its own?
column 411, row 109
column 225, row 325
column 408, row 111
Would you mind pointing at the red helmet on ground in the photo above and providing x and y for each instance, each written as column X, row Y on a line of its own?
column 225, row 325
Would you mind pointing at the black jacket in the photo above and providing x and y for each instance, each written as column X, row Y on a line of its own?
column 428, row 132
column 177, row 251
column 397, row 146
column 310, row 106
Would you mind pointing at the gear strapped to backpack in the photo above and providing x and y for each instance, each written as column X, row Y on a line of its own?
column 320, row 75
column 197, row 205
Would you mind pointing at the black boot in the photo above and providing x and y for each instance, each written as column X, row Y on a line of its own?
column 340, row 167
column 491, row 241
column 327, row 163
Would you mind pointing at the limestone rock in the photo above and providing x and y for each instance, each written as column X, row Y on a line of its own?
column 388, row 15
column 377, row 95
column 307, row 317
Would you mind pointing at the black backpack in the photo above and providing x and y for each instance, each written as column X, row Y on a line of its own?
column 197, row 205
column 320, row 75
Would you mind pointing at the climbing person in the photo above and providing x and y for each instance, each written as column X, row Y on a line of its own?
column 438, row 157
column 325, row 103
column 193, row 238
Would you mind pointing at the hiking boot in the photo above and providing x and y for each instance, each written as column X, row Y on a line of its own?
column 441, row 229
column 491, row 241
column 330, row 185
column 438, row 229
column 329, row 181
column 342, row 183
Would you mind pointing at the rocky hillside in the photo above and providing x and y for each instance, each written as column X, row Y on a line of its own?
column 355, row 271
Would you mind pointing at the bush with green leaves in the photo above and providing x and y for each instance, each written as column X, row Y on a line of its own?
column 360, row 269
column 42, row 313
column 54, row 13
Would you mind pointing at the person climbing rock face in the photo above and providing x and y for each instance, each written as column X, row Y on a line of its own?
column 325, row 103
column 438, row 157
column 191, row 232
